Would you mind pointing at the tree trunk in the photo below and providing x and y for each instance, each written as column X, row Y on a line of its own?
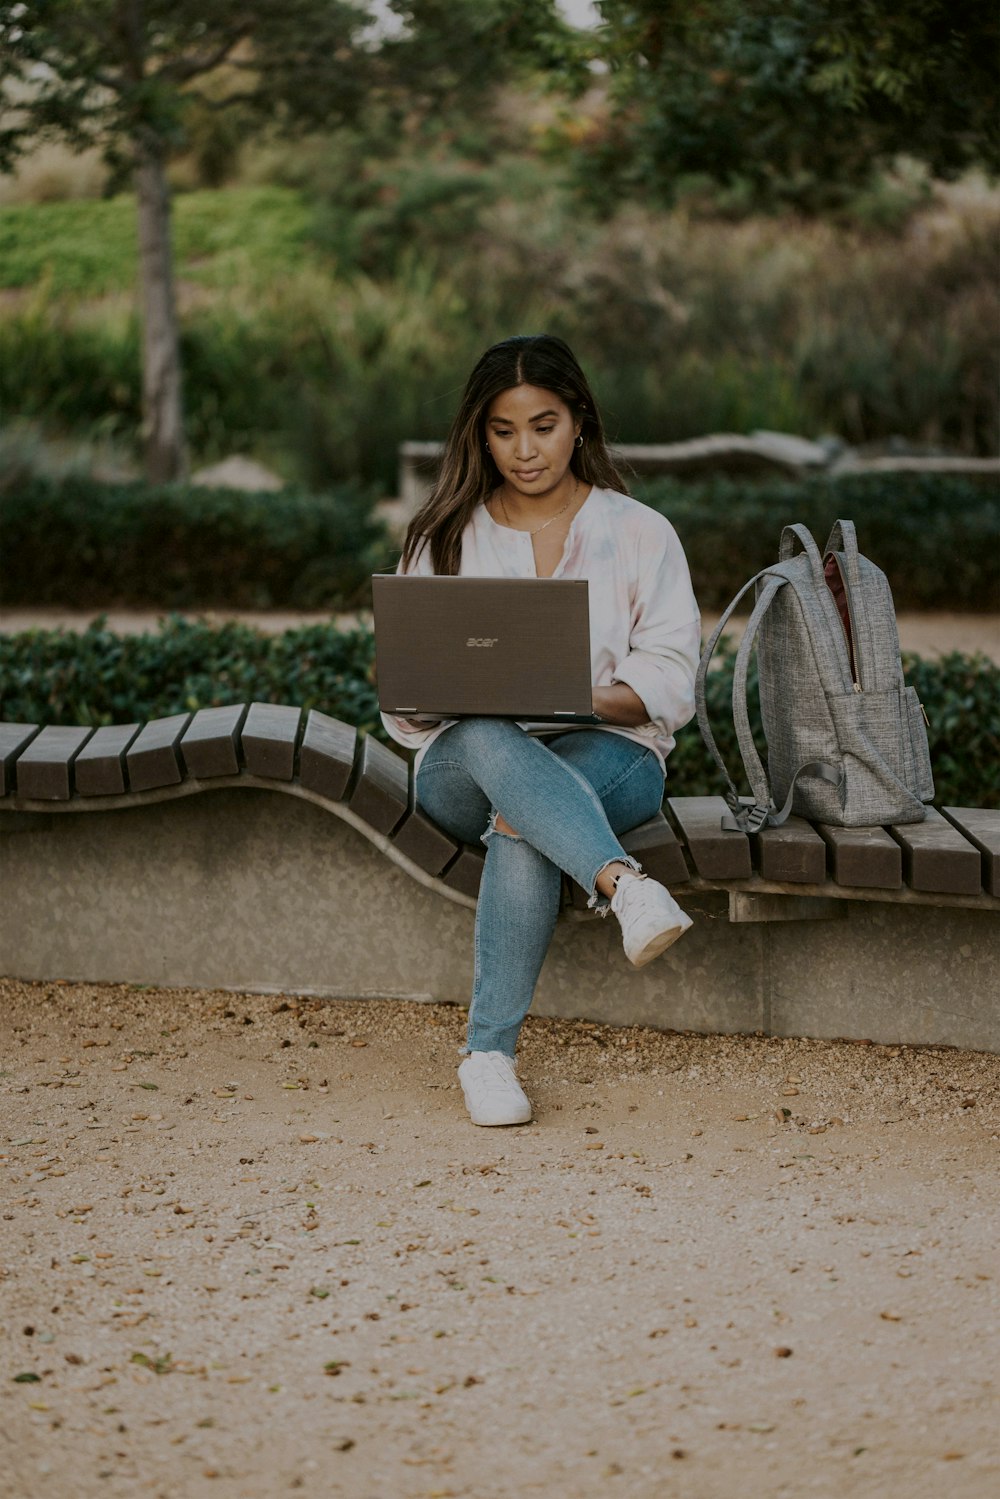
column 164, row 453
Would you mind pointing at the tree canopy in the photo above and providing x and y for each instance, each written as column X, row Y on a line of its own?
column 801, row 101
column 99, row 72
column 121, row 75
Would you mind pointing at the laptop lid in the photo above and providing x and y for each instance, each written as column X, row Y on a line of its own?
column 509, row 647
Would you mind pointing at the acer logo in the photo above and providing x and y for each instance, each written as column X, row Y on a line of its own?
column 476, row 640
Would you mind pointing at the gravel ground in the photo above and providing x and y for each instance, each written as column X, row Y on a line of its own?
column 252, row 1245
column 929, row 634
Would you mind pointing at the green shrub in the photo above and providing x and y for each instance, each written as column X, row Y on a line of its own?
column 961, row 696
column 97, row 677
column 70, row 372
column 82, row 544
column 83, row 375
column 935, row 536
column 51, row 676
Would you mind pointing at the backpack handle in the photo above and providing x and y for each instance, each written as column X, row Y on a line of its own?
column 801, row 534
column 844, row 538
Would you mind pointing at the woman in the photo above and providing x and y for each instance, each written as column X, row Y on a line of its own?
column 527, row 489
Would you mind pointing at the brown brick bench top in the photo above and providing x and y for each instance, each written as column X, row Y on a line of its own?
column 953, row 858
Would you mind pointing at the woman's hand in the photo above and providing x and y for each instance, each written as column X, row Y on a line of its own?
column 418, row 721
column 619, row 704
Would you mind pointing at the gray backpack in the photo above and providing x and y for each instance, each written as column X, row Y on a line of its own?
column 846, row 738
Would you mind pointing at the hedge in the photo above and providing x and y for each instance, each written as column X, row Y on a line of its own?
column 935, row 536
column 81, row 544
column 97, row 677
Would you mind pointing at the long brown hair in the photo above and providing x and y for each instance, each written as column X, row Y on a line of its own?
column 468, row 474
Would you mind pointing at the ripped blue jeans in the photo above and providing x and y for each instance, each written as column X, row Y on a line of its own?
column 567, row 798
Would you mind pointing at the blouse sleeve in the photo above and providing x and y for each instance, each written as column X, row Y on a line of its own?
column 407, row 731
column 665, row 634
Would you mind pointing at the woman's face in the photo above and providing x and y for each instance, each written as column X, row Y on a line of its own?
column 531, row 433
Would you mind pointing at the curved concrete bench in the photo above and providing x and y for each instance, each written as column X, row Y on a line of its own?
column 230, row 891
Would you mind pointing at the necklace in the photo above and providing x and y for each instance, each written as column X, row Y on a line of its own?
column 503, row 507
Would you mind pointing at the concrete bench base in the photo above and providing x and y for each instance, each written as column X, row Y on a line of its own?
column 236, row 888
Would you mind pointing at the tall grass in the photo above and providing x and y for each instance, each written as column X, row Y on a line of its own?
column 328, row 339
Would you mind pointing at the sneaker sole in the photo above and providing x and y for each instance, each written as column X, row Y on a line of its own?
column 499, row 1123
column 659, row 944
column 522, row 1117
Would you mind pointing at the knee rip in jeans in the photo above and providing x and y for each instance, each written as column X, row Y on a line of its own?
column 501, row 832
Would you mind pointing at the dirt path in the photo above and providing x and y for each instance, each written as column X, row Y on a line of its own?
column 929, row 634
column 251, row 1246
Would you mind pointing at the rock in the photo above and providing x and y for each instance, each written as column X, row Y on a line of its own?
column 237, row 473
column 851, row 463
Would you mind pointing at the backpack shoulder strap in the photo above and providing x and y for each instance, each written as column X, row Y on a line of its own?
column 750, row 814
column 701, row 706
column 763, row 803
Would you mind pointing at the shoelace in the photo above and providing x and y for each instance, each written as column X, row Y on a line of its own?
column 503, row 1067
column 639, row 884
column 500, row 1069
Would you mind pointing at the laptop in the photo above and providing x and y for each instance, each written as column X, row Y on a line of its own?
column 450, row 647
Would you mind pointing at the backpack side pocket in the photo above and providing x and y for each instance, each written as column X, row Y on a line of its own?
column 875, row 745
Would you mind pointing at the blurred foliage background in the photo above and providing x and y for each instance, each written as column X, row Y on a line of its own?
column 739, row 220
column 316, row 339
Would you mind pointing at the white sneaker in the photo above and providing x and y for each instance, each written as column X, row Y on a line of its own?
column 493, row 1094
column 651, row 920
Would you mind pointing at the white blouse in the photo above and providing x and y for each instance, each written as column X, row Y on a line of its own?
column 645, row 628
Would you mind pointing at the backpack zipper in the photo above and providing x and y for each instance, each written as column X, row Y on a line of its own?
column 849, row 641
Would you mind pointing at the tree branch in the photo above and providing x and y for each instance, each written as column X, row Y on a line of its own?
column 185, row 68
column 57, row 60
column 217, row 105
